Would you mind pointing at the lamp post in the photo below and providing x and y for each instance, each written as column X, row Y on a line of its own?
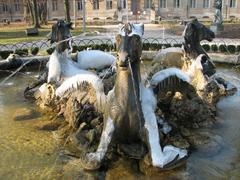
column 74, row 13
column 84, row 15
column 127, row 9
column 226, row 9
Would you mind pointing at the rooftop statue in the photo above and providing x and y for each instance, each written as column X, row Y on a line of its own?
column 218, row 19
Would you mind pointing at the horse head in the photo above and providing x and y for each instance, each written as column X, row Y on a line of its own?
column 60, row 31
column 129, row 44
column 193, row 34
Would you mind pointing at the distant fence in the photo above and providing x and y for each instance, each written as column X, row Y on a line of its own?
column 217, row 45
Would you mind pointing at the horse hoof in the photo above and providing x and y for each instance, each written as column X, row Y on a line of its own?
column 89, row 163
column 146, row 167
column 176, row 163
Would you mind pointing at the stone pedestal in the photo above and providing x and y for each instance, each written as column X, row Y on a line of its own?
column 216, row 28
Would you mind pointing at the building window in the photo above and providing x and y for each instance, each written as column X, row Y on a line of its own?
column 80, row 5
column 163, row 3
column 3, row 7
column 17, row 5
column 232, row 3
column 176, row 3
column 108, row 4
column 192, row 3
column 121, row 4
column 148, row 4
column 54, row 5
column 205, row 3
column 95, row 4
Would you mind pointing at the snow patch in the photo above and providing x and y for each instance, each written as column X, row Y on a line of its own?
column 196, row 65
column 172, row 49
column 169, row 153
column 163, row 74
column 74, row 82
column 95, row 59
column 137, row 29
column 54, row 67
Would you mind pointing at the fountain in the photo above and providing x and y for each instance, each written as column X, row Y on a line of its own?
column 124, row 115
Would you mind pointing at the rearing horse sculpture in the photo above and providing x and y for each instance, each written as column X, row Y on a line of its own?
column 193, row 34
column 128, row 109
column 129, row 115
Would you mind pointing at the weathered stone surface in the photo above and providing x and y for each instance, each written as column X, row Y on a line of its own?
column 133, row 150
column 206, row 142
column 48, row 125
column 25, row 114
column 123, row 169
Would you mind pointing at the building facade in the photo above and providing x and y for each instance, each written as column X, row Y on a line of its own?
column 13, row 10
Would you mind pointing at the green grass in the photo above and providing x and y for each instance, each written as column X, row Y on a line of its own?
column 13, row 35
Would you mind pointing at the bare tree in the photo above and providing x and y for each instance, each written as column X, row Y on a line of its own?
column 31, row 12
column 35, row 13
column 67, row 10
column 28, row 11
column 42, row 11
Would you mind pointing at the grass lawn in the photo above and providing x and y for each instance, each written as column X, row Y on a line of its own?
column 16, row 33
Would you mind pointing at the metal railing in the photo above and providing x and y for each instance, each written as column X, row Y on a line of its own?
column 90, row 42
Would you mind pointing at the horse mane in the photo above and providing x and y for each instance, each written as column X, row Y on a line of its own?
column 191, row 43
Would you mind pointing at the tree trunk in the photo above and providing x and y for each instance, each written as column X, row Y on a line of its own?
column 35, row 11
column 67, row 10
column 30, row 11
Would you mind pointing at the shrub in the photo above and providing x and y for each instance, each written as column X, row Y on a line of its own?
column 82, row 47
column 74, row 49
column 177, row 45
column 222, row 48
column 21, row 52
column 146, row 46
column 231, row 49
column 155, row 46
column 5, row 54
column 238, row 48
column 166, row 46
column 34, row 50
column 214, row 48
column 50, row 50
column 206, row 47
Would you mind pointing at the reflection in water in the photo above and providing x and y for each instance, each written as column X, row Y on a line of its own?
column 26, row 153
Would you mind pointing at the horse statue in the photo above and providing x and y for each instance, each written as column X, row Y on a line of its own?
column 62, row 66
column 130, row 116
column 129, row 111
column 193, row 34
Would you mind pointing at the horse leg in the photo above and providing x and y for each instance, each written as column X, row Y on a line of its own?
column 92, row 161
column 167, row 156
column 42, row 79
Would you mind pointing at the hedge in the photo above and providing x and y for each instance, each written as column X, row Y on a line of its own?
column 231, row 49
column 34, row 50
column 238, row 48
column 21, row 52
column 5, row 54
column 206, row 47
column 222, row 48
column 214, row 48
column 155, row 46
column 50, row 50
